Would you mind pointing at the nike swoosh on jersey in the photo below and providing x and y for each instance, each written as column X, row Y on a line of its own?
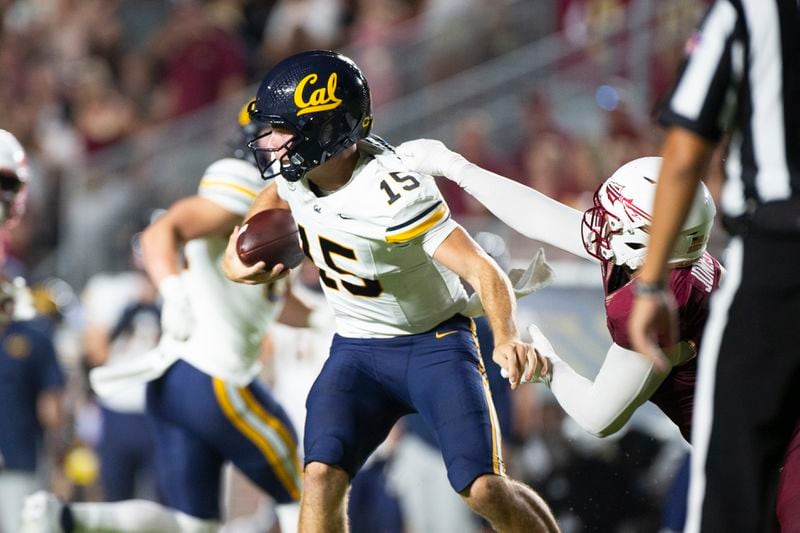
column 441, row 335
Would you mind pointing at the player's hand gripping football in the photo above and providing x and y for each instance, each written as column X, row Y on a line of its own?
column 519, row 362
column 429, row 156
column 254, row 274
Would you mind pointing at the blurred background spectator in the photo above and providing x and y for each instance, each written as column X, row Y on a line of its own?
column 31, row 407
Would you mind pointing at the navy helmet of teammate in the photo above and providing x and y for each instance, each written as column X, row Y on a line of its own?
column 248, row 129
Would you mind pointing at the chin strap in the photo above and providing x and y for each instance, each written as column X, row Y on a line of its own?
column 538, row 275
column 635, row 263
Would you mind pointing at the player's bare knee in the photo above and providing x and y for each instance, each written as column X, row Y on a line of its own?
column 487, row 491
column 322, row 477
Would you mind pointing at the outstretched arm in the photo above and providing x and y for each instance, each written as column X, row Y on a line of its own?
column 625, row 381
column 686, row 157
column 190, row 218
column 525, row 210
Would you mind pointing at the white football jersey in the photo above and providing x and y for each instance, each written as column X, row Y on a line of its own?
column 372, row 240
column 230, row 318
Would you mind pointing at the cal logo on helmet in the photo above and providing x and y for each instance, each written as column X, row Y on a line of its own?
column 320, row 99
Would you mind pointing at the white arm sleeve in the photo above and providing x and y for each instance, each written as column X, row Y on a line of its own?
column 525, row 210
column 625, row 381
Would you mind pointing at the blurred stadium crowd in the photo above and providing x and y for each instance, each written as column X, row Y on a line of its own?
column 106, row 93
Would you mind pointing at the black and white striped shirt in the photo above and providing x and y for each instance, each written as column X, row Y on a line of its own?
column 742, row 74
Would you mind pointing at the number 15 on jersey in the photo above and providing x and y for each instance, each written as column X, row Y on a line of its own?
column 331, row 274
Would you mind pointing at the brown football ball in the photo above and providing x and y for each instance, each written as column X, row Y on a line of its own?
column 270, row 236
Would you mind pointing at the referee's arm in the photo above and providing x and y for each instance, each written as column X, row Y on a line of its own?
column 695, row 115
column 685, row 158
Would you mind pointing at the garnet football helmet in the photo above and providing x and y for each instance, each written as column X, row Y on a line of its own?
column 617, row 227
column 323, row 99
column 14, row 175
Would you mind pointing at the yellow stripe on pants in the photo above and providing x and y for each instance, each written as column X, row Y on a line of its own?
column 289, row 481
column 497, row 454
column 276, row 424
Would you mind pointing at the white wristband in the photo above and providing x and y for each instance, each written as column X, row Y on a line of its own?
column 171, row 286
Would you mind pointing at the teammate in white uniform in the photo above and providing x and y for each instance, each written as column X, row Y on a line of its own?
column 390, row 258
column 202, row 399
column 218, row 325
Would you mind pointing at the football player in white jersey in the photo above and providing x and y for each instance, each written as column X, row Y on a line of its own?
column 390, row 258
column 202, row 399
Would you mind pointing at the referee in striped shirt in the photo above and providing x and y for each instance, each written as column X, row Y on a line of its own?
column 741, row 81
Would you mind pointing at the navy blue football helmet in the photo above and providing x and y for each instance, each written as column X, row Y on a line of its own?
column 248, row 129
column 323, row 99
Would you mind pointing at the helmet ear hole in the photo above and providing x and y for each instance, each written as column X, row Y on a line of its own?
column 326, row 134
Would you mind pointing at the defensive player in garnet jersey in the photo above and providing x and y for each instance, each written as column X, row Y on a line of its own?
column 614, row 232
column 390, row 258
